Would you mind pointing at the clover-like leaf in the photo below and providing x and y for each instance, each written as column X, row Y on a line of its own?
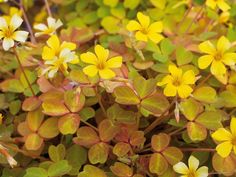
column 210, row 119
column 90, row 171
column 196, row 132
column 34, row 119
column 68, row 124
column 49, row 108
column 107, row 130
column 57, row 153
column 173, row 155
column 205, row 94
column 59, row 168
column 160, row 142
column 74, row 101
column 33, row 141
column 98, row 153
column 49, row 128
column 121, row 149
column 157, row 164
column 121, row 170
column 125, row 95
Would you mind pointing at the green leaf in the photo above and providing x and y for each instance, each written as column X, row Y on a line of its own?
column 57, row 153
column 110, row 24
column 196, row 132
column 36, row 172
column 49, row 108
column 117, row 114
column 49, row 128
column 118, row 11
column 156, row 104
column 205, row 94
column 173, row 155
column 157, row 164
column 87, row 113
column 59, row 168
column 125, row 95
column 68, row 124
column 34, row 119
column 31, row 76
column 228, row 99
column 183, row 56
column 107, row 130
column 33, row 141
column 98, row 153
column 111, row 3
column 160, row 57
column 12, row 85
column 131, row 4
column 190, row 108
column 167, row 47
column 76, row 156
column 160, row 141
column 15, row 107
column 210, row 119
column 90, row 171
column 146, row 88
column 73, row 100
column 159, row 3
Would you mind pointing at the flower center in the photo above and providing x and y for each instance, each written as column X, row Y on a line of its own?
column 101, row 65
column 177, row 82
column 8, row 33
column 191, row 173
column 218, row 56
column 144, row 30
column 233, row 141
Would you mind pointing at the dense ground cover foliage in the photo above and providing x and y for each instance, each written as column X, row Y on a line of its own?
column 126, row 88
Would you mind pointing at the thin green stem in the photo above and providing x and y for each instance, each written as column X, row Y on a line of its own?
column 23, row 71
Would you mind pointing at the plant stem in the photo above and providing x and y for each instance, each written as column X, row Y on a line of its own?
column 184, row 17
column 194, row 19
column 23, row 71
column 197, row 149
column 32, row 38
column 48, row 8
column 203, row 81
column 90, row 125
column 159, row 119
column 100, row 102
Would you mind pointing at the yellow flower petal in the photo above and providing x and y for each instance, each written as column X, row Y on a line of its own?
column 69, row 45
column 166, row 80
column 89, row 57
column 234, row 148
column 143, row 19
column 189, row 77
column 3, row 23
column 7, row 43
column 156, row 27
column 114, row 62
column 155, row 37
column 181, row 168
column 177, row 72
column 233, row 126
column 223, row 44
column 170, row 90
column 218, row 68
column 15, row 22
column 223, row 5
column 101, row 52
column 90, row 70
column 222, row 135
column 193, row 163
column 229, row 58
column 207, row 47
column 141, row 37
column 211, row 4
column 205, row 61
column 53, row 42
column 202, row 172
column 224, row 149
column 133, row 26
column 20, row 36
column 184, row 91
column 75, row 60
column 106, row 74
column 48, row 53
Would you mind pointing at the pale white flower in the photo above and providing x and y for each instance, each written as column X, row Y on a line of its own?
column 60, row 63
column 192, row 170
column 12, row 162
column 50, row 28
column 9, row 32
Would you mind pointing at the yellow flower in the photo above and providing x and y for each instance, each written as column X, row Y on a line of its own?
column 54, row 47
column 53, row 25
column 9, row 33
column 145, row 30
column 220, row 3
column 192, row 170
column 100, row 63
column 57, row 56
column 13, row 11
column 178, row 82
column 218, row 56
column 227, row 139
